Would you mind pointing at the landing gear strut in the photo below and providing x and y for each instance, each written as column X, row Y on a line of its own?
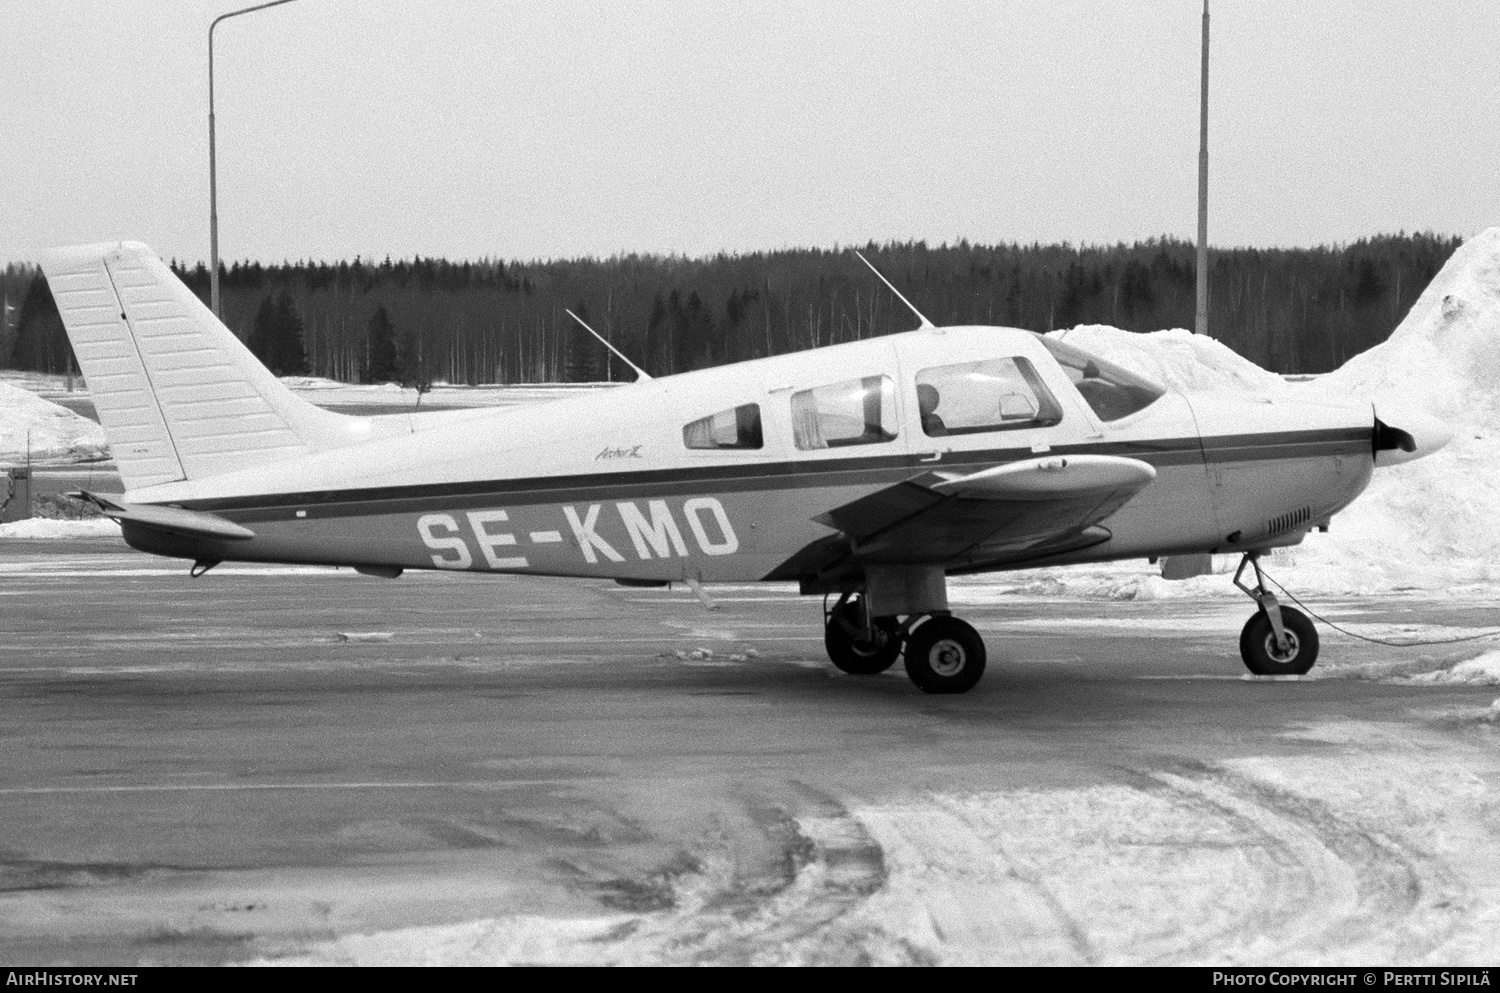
column 943, row 654
column 1276, row 640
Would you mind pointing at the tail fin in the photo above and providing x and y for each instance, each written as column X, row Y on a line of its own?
column 178, row 395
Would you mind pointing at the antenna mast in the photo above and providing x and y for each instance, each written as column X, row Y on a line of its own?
column 638, row 370
column 925, row 322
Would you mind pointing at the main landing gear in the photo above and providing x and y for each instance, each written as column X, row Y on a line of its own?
column 942, row 653
column 1276, row 640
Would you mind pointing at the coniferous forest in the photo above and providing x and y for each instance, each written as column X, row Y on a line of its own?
column 1297, row 310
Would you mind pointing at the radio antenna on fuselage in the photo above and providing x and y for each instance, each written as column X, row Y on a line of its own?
column 644, row 376
column 920, row 316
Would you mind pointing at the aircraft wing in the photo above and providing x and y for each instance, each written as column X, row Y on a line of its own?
column 1022, row 510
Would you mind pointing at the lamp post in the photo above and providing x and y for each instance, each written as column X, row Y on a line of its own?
column 213, row 183
column 1200, row 323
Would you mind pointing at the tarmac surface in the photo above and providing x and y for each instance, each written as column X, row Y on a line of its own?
column 302, row 765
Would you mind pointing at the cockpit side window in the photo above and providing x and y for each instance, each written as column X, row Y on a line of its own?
column 737, row 427
column 852, row 412
column 992, row 395
column 1112, row 392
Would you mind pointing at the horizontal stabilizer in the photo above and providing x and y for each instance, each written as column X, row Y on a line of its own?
column 192, row 523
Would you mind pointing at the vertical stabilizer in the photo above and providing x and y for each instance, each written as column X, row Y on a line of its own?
column 177, row 393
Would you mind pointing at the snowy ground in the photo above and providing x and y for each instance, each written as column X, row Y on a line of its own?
column 296, row 765
column 1255, row 862
column 529, row 771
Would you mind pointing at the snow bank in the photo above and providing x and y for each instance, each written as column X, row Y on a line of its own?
column 46, row 527
column 1177, row 359
column 1445, row 354
column 1133, row 580
column 1429, row 524
column 55, row 433
column 1481, row 671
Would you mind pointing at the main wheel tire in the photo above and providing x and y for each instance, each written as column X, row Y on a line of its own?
column 944, row 655
column 1258, row 644
column 854, row 655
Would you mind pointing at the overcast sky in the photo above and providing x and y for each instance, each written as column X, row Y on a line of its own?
column 543, row 129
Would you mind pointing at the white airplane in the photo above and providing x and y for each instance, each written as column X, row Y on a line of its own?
column 866, row 472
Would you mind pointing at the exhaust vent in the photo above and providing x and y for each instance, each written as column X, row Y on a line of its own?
column 1289, row 520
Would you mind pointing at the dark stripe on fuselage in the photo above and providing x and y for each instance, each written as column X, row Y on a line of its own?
column 871, row 470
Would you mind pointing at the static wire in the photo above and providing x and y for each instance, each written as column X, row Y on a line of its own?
column 1494, row 633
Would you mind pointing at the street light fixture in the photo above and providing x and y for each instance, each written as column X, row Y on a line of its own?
column 213, row 184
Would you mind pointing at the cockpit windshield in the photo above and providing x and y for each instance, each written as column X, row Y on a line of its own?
column 1111, row 391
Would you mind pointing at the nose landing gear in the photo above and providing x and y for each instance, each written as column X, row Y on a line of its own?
column 1276, row 640
column 943, row 654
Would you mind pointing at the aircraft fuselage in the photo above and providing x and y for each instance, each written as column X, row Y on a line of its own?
column 604, row 485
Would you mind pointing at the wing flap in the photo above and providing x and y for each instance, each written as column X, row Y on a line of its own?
column 884, row 508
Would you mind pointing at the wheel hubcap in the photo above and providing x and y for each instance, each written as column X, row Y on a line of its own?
column 1276, row 654
column 947, row 658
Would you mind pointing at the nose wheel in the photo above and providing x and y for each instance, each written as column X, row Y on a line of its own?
column 1276, row 640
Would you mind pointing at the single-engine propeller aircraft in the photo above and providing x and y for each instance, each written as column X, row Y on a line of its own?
column 866, row 472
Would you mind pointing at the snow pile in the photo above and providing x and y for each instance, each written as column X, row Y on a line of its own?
column 1177, row 359
column 1132, row 579
column 1481, row 671
column 54, row 434
column 1445, row 354
column 46, row 527
column 1429, row 524
column 312, row 383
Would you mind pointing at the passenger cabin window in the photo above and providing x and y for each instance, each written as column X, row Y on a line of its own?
column 1112, row 392
column 992, row 395
column 853, row 412
column 737, row 427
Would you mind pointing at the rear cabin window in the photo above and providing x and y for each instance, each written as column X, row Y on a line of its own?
column 737, row 427
column 853, row 412
column 992, row 395
column 1112, row 392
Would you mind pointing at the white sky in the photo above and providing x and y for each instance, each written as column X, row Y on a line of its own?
column 523, row 130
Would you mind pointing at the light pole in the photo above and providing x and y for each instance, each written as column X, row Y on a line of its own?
column 1200, row 324
column 213, row 182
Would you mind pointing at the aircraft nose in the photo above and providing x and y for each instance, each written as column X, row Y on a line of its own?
column 1405, row 434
